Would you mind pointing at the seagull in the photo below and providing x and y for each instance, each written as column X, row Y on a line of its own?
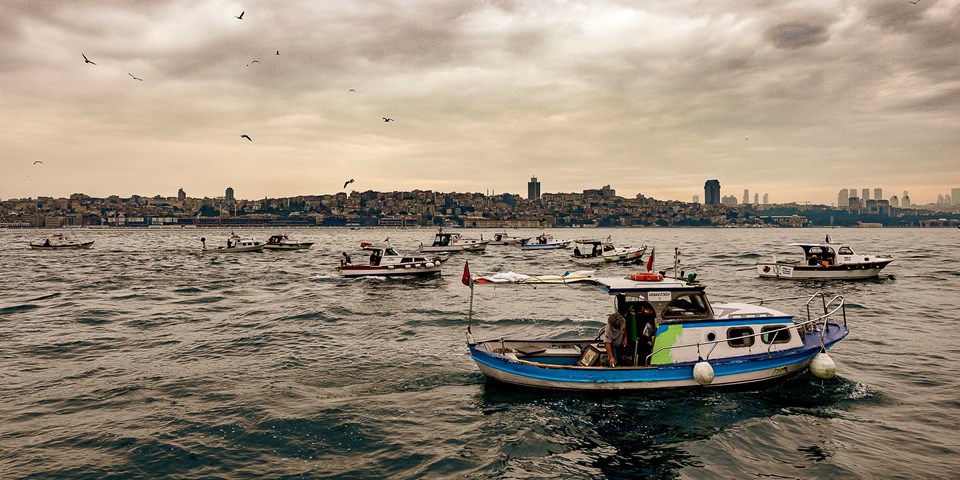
column 247, row 137
column 348, row 182
column 241, row 15
column 255, row 61
column 135, row 78
column 86, row 60
column 38, row 161
column 385, row 119
column 914, row 2
column 352, row 90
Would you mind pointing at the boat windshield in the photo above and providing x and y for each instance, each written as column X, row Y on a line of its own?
column 687, row 305
column 391, row 251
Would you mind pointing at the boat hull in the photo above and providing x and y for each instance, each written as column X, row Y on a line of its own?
column 617, row 258
column 352, row 271
column 544, row 246
column 471, row 247
column 727, row 371
column 795, row 271
column 72, row 246
column 288, row 246
column 256, row 248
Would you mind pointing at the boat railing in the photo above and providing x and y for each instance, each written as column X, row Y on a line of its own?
column 811, row 324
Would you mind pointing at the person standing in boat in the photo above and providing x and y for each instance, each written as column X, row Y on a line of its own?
column 648, row 330
column 615, row 338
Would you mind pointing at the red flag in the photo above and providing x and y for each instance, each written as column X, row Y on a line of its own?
column 650, row 261
column 466, row 275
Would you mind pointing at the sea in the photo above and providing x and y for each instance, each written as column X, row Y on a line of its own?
column 144, row 357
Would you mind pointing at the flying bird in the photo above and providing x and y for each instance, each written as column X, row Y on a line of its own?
column 86, row 60
column 255, row 61
column 352, row 90
column 38, row 161
column 135, row 78
column 247, row 137
column 348, row 182
column 241, row 15
column 914, row 2
column 385, row 119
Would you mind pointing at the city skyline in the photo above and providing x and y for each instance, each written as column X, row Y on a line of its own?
column 791, row 98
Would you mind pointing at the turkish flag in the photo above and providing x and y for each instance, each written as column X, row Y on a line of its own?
column 466, row 275
column 650, row 261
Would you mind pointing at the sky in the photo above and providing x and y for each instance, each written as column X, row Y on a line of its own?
column 797, row 99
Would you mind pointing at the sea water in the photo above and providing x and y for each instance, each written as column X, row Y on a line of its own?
column 144, row 357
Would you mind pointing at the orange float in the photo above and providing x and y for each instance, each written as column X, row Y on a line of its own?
column 646, row 277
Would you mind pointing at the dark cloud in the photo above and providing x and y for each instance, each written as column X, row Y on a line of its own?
column 794, row 35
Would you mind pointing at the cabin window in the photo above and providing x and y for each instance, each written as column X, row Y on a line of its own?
column 775, row 334
column 686, row 305
column 740, row 337
column 845, row 251
column 406, row 260
column 608, row 248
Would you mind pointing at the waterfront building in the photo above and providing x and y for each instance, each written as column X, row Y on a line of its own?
column 711, row 192
column 533, row 189
column 843, row 198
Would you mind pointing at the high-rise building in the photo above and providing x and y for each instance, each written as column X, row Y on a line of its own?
column 711, row 192
column 533, row 189
column 905, row 200
column 878, row 194
column 696, row 199
column 895, row 201
column 756, row 199
column 766, row 199
column 955, row 195
column 843, row 198
column 729, row 200
column 746, row 196
column 229, row 194
column 864, row 195
column 181, row 195
column 853, row 193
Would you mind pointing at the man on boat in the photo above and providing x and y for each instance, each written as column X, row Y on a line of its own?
column 615, row 338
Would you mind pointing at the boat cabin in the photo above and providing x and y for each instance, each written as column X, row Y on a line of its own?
column 277, row 239
column 442, row 239
column 592, row 248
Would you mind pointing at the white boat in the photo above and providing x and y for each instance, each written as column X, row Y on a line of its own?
column 235, row 244
column 545, row 242
column 59, row 241
column 501, row 238
column 384, row 261
column 282, row 242
column 598, row 252
column 693, row 344
column 825, row 260
column 453, row 242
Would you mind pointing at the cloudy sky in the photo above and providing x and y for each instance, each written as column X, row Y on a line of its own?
column 797, row 99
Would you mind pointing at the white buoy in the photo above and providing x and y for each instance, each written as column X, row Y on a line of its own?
column 822, row 366
column 703, row 373
column 428, row 264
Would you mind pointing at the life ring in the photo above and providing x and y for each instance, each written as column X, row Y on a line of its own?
column 646, row 277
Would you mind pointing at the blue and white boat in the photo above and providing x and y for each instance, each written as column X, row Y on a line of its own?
column 695, row 344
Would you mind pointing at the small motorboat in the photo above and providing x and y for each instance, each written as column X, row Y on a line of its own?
column 825, row 260
column 598, row 252
column 452, row 242
column 545, row 242
column 59, row 241
column 691, row 343
column 501, row 238
column 384, row 261
column 282, row 242
column 235, row 244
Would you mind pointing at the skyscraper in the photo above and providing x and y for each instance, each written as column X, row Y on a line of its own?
column 696, row 199
column 533, row 189
column 905, row 200
column 756, row 199
column 865, row 195
column 746, row 196
column 955, row 195
column 181, row 195
column 711, row 192
column 894, row 201
column 766, row 199
column 229, row 194
column 843, row 198
column 878, row 194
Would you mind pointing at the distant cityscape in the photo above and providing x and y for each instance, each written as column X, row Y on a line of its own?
column 600, row 207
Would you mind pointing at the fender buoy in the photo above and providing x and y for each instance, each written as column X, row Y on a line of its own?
column 703, row 373
column 823, row 366
column 646, row 277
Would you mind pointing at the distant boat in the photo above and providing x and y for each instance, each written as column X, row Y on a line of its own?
column 235, row 244
column 825, row 260
column 598, row 252
column 282, row 242
column 501, row 238
column 545, row 242
column 384, row 261
column 59, row 241
column 453, row 242
column 693, row 343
